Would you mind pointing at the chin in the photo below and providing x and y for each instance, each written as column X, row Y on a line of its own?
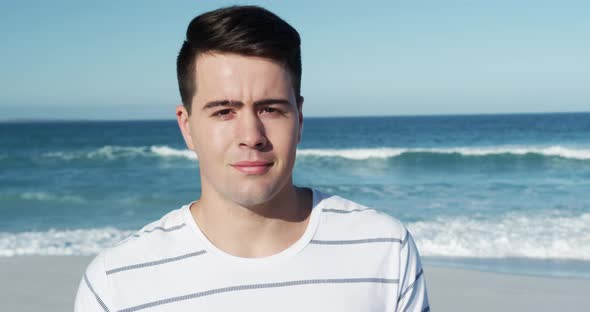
column 253, row 199
column 254, row 195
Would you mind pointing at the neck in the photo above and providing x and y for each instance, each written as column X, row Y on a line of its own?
column 259, row 231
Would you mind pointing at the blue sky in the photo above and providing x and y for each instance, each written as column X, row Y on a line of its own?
column 116, row 59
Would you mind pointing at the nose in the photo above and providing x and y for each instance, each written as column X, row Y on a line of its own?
column 251, row 131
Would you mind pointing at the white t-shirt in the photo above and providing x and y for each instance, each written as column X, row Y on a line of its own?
column 350, row 258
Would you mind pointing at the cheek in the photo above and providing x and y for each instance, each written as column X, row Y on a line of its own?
column 211, row 142
column 285, row 138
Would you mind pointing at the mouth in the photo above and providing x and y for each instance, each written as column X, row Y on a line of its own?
column 253, row 167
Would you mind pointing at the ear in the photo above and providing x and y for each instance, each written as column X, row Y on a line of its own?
column 182, row 117
column 300, row 113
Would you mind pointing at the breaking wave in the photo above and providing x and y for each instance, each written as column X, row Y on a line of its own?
column 367, row 153
column 547, row 236
column 60, row 242
column 541, row 237
column 115, row 152
column 110, row 152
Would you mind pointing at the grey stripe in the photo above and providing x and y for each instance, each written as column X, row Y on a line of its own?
column 405, row 240
column 345, row 211
column 170, row 229
column 356, row 241
column 411, row 285
column 104, row 306
column 259, row 286
column 157, row 262
column 403, row 285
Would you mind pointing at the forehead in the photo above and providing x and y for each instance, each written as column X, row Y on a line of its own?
column 238, row 77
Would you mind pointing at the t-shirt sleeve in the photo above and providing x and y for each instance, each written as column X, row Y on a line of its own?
column 93, row 291
column 412, row 294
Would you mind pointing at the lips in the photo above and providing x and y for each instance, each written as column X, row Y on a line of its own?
column 253, row 167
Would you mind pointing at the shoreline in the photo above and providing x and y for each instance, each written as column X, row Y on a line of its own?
column 571, row 269
column 49, row 283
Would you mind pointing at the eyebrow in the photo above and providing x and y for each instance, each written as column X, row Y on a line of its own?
column 238, row 104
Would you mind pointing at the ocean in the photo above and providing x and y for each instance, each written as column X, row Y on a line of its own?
column 501, row 193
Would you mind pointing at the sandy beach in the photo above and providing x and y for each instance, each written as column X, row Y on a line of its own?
column 49, row 283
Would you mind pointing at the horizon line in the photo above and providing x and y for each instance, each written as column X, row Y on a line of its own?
column 24, row 120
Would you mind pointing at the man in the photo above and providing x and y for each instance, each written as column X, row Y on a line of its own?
column 253, row 241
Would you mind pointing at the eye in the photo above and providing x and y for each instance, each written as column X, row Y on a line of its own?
column 222, row 113
column 270, row 110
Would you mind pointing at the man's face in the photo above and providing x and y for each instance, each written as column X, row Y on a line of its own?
column 244, row 126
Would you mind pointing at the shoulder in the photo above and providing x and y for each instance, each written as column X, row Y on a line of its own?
column 345, row 218
column 156, row 240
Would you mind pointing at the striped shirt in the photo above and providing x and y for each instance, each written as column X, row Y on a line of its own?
column 350, row 258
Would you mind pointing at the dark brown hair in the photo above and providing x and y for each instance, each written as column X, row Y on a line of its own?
column 244, row 30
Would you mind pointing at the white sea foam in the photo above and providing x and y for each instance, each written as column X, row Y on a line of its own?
column 540, row 237
column 59, row 242
column 106, row 152
column 165, row 151
column 361, row 154
column 114, row 152
column 548, row 236
column 558, row 151
column 357, row 154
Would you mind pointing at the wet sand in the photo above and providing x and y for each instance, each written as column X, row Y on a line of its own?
column 49, row 283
